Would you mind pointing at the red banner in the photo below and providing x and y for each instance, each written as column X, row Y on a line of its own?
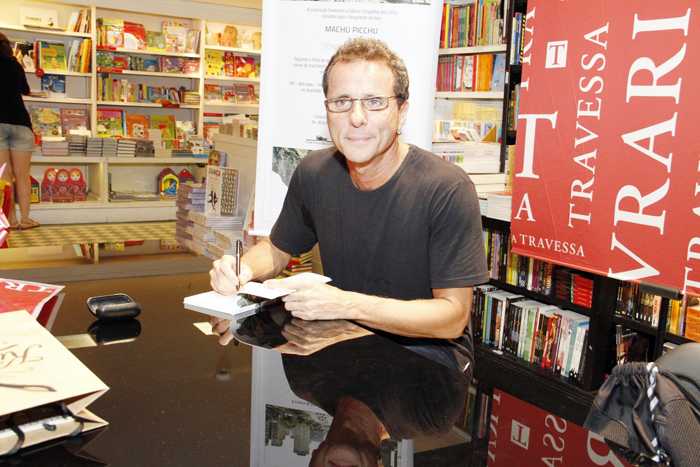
column 522, row 434
column 607, row 172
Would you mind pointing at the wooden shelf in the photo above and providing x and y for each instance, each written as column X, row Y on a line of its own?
column 58, row 100
column 469, row 95
column 42, row 31
column 231, row 104
column 233, row 79
column 161, row 53
column 232, row 49
column 542, row 298
column 482, row 49
column 61, row 73
column 159, row 74
column 544, row 389
column 147, row 104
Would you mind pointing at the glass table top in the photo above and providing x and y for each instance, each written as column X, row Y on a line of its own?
column 177, row 397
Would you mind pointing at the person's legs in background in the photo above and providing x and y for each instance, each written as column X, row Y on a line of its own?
column 16, row 147
column 7, row 177
column 20, row 169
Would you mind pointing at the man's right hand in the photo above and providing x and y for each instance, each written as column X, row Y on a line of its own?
column 223, row 275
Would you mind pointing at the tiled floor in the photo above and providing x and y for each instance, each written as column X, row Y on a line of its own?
column 51, row 235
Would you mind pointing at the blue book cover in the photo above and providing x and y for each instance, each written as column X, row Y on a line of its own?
column 498, row 78
column 53, row 83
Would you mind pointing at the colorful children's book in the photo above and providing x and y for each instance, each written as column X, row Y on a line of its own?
column 499, row 73
column 74, row 119
column 170, row 64
column 212, row 92
column 137, row 126
column 245, row 67
column 171, row 42
column 134, row 36
column 184, row 129
column 214, row 63
column 254, row 94
column 53, row 84
column 210, row 129
column 151, row 64
column 121, row 62
column 105, row 59
column 192, row 45
column 177, row 31
column 165, row 123
column 191, row 66
column 155, row 40
column 242, row 93
column 113, row 32
column 52, row 56
column 110, row 122
column 229, row 64
column 46, row 121
column 228, row 93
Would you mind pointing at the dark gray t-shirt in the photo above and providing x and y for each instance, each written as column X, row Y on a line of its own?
column 420, row 230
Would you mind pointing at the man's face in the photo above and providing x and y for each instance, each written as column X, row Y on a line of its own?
column 360, row 134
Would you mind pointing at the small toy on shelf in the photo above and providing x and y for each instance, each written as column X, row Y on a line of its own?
column 79, row 187
column 61, row 190
column 47, row 185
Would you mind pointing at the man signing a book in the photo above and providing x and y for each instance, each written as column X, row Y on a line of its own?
column 398, row 228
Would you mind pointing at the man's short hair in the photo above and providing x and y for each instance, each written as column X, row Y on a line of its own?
column 371, row 50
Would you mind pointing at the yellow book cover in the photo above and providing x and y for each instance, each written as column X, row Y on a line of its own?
column 214, row 64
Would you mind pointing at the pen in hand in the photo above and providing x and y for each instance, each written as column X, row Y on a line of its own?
column 239, row 247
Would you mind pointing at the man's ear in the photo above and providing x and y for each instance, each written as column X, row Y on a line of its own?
column 403, row 113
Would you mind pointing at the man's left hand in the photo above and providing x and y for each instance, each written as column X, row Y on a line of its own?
column 313, row 300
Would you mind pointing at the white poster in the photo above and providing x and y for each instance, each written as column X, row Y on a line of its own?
column 298, row 40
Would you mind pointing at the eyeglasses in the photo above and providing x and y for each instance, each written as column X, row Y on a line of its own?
column 344, row 104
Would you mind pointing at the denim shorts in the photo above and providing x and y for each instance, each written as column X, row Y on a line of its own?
column 16, row 137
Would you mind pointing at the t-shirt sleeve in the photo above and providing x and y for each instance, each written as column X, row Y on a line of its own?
column 457, row 254
column 293, row 231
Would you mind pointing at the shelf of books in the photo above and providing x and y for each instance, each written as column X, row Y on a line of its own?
column 470, row 89
column 232, row 56
column 100, row 77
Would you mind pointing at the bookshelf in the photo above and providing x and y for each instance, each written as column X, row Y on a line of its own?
column 218, row 41
column 81, row 92
column 551, row 391
column 470, row 40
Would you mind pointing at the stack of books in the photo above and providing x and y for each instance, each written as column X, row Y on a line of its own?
column 299, row 264
column 121, row 196
column 77, row 145
column 110, row 147
column 94, row 146
column 144, row 148
column 146, row 196
column 486, row 183
column 499, row 205
column 214, row 222
column 224, row 242
column 54, row 146
column 573, row 286
column 126, row 147
column 189, row 197
column 473, row 158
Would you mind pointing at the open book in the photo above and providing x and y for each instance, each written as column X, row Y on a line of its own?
column 245, row 302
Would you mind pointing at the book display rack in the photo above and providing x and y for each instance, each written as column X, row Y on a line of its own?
column 96, row 61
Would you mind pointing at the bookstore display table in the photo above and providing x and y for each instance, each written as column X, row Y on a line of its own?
column 177, row 397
